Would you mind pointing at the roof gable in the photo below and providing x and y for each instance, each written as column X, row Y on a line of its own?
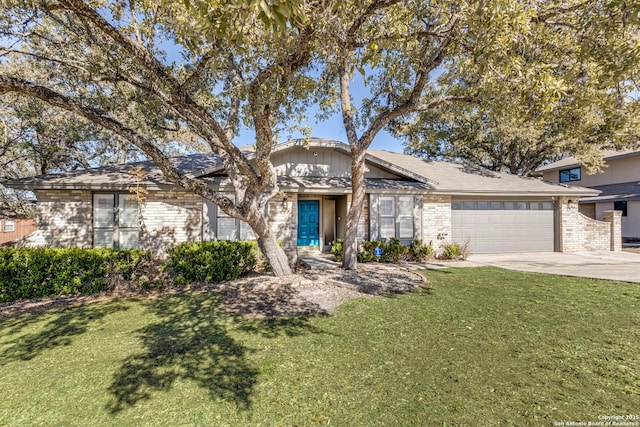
column 319, row 157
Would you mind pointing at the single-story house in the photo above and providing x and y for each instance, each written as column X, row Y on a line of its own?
column 618, row 184
column 407, row 198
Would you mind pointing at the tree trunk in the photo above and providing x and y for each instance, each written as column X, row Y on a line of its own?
column 350, row 256
column 272, row 251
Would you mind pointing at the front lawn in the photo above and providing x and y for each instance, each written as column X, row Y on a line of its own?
column 476, row 346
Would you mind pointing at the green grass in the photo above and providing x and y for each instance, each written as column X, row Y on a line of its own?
column 476, row 346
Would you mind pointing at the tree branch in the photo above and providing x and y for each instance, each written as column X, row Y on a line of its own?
column 200, row 67
column 233, row 160
column 346, row 107
column 360, row 20
column 171, row 174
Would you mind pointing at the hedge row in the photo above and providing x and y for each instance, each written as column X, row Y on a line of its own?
column 44, row 272
column 49, row 272
column 212, row 261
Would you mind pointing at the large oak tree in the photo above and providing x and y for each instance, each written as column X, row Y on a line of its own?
column 528, row 60
column 153, row 71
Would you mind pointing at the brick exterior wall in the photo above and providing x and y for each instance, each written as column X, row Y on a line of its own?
column 436, row 220
column 588, row 209
column 169, row 218
column 580, row 233
column 64, row 218
column 363, row 224
column 283, row 217
column 21, row 228
column 614, row 218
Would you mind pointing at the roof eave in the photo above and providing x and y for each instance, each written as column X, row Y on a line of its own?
column 489, row 193
column 551, row 168
column 29, row 186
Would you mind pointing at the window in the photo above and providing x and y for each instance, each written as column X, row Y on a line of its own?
column 569, row 175
column 387, row 217
column 229, row 228
column 115, row 221
column 396, row 217
column 498, row 206
column 621, row 206
column 9, row 225
column 405, row 217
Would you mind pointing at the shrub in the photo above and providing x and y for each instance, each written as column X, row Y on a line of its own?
column 418, row 251
column 392, row 250
column 455, row 250
column 212, row 261
column 47, row 272
column 337, row 250
column 366, row 253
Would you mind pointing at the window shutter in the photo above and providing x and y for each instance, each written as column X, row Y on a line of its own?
column 374, row 216
column 208, row 220
column 417, row 216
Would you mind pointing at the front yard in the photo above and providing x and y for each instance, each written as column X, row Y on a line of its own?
column 475, row 346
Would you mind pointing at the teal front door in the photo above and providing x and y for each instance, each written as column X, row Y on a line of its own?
column 308, row 223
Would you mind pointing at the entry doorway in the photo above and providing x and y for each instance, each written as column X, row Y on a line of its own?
column 328, row 223
column 309, row 223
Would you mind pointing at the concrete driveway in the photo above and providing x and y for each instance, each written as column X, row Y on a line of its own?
column 623, row 266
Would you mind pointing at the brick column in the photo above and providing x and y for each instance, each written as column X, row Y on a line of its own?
column 614, row 218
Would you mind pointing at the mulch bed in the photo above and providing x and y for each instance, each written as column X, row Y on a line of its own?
column 309, row 292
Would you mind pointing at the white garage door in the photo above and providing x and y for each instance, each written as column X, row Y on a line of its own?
column 503, row 226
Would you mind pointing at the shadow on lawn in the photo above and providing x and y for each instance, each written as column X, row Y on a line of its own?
column 56, row 332
column 191, row 341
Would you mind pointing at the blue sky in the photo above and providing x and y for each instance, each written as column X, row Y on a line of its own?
column 333, row 128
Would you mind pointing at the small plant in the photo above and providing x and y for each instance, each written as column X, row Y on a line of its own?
column 367, row 251
column 393, row 250
column 337, row 249
column 455, row 250
column 418, row 251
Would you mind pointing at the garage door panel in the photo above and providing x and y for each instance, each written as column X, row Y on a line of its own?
column 504, row 230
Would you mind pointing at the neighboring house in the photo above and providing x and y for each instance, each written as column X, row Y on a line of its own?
column 407, row 198
column 618, row 183
column 12, row 229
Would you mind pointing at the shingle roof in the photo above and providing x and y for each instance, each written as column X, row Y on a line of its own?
column 115, row 176
column 569, row 162
column 415, row 174
column 615, row 192
column 456, row 179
